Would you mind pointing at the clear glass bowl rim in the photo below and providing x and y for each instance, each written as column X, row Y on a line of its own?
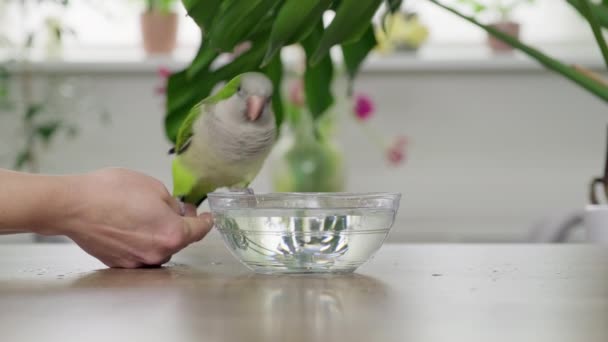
column 219, row 200
column 337, row 195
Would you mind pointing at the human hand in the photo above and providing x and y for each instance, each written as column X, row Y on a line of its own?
column 128, row 219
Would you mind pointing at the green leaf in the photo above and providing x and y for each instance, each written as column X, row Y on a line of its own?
column 350, row 22
column 202, row 11
column 202, row 61
column 32, row 111
column 393, row 5
column 579, row 78
column 355, row 53
column 48, row 130
column 318, row 77
column 600, row 11
column 22, row 158
column 293, row 22
column 595, row 27
column 274, row 71
column 239, row 20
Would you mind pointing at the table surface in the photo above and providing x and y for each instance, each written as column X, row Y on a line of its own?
column 406, row 293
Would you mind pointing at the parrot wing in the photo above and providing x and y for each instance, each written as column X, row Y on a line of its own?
column 185, row 130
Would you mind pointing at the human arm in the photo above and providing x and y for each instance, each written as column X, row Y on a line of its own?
column 122, row 217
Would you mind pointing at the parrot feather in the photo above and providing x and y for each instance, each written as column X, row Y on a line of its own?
column 185, row 131
column 224, row 139
column 183, row 179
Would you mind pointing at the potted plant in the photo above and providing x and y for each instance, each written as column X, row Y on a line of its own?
column 401, row 31
column 499, row 12
column 159, row 27
column 309, row 159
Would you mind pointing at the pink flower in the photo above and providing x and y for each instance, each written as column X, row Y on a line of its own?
column 396, row 153
column 296, row 93
column 164, row 72
column 364, row 107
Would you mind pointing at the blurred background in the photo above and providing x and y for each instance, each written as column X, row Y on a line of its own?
column 484, row 143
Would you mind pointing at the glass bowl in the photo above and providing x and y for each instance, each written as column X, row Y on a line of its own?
column 303, row 232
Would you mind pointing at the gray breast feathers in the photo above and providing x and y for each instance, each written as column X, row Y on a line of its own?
column 239, row 142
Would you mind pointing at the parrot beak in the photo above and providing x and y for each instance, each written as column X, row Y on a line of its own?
column 255, row 106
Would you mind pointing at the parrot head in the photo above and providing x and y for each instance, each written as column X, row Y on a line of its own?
column 253, row 98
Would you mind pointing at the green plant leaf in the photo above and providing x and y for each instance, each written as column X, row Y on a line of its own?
column 32, row 111
column 350, row 22
column 203, row 59
column 274, row 71
column 318, row 77
column 393, row 5
column 355, row 53
column 293, row 22
column 202, row 11
column 595, row 27
column 579, row 78
column 21, row 158
column 238, row 21
column 600, row 11
column 48, row 130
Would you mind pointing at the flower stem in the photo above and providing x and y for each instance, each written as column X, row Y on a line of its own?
column 373, row 136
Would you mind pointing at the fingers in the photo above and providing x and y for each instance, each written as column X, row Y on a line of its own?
column 181, row 208
column 175, row 204
column 195, row 228
column 189, row 210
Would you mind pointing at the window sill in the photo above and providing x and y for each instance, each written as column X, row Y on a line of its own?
column 429, row 59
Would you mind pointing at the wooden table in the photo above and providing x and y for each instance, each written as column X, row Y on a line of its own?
column 406, row 293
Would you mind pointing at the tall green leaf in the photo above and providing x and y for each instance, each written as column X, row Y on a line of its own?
column 274, row 71
column 579, row 78
column 237, row 22
column 393, row 5
column 203, row 59
column 595, row 27
column 202, row 11
column 317, row 77
column 349, row 24
column 293, row 22
column 600, row 11
column 355, row 53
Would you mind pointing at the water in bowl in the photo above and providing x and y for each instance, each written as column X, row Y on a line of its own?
column 304, row 240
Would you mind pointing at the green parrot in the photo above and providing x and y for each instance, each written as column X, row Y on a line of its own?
column 225, row 139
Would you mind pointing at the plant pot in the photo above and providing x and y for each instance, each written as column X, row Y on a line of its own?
column 508, row 27
column 159, row 32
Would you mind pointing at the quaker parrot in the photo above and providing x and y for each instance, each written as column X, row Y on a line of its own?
column 225, row 139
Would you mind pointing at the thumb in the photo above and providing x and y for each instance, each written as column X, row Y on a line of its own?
column 195, row 228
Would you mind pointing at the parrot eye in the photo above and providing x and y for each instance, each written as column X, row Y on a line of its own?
column 240, row 90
